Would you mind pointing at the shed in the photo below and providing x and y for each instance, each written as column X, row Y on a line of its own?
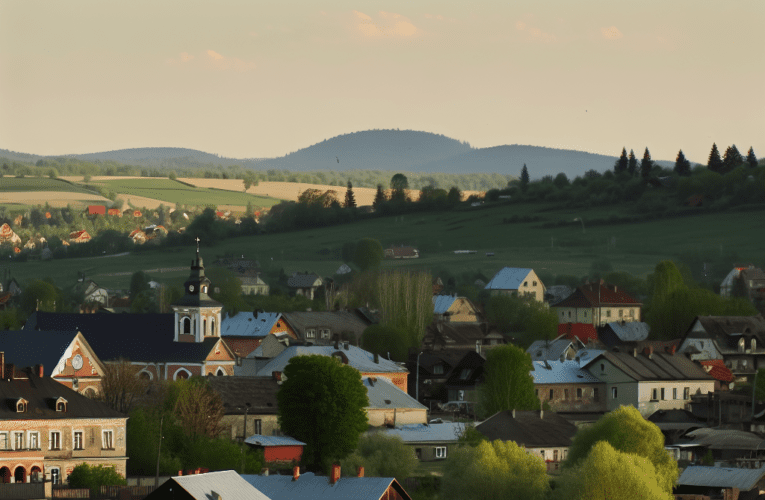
column 281, row 449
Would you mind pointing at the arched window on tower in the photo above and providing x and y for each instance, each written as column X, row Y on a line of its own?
column 186, row 325
column 204, row 327
column 212, row 326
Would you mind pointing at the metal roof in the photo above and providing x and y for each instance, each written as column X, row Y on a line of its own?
column 24, row 349
column 381, row 390
column 720, row 477
column 260, row 440
column 358, row 358
column 508, row 278
column 424, row 433
column 661, row 366
column 315, row 487
column 725, row 439
column 568, row 372
column 540, row 350
column 633, row 331
column 245, row 324
column 224, row 484
column 442, row 303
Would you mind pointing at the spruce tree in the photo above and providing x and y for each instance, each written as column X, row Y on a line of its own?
column 350, row 198
column 622, row 163
column 380, row 197
column 682, row 165
column 750, row 158
column 732, row 159
column 646, row 164
column 715, row 162
column 524, row 178
column 632, row 164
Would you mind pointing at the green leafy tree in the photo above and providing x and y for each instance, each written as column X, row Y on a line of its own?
column 622, row 163
column 627, row 431
column 173, row 176
column 10, row 320
column 715, row 162
column 646, row 164
column 139, row 282
column 471, row 437
column 492, row 471
column 524, row 178
column 93, row 477
column 40, row 295
column 608, row 473
column 508, row 384
column 561, row 181
column 399, row 182
column 384, row 340
column 350, row 198
column 381, row 456
column 751, row 159
column 226, row 288
column 682, row 165
column 406, row 301
column 322, row 402
column 207, row 228
column 368, row 253
column 632, row 164
column 454, row 196
column 732, row 159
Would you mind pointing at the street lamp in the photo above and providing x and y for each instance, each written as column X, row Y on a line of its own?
column 582, row 221
column 417, row 383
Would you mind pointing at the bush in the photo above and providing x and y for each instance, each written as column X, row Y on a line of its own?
column 93, row 477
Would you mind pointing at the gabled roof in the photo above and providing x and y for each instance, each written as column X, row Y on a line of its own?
column 383, row 394
column 358, row 358
column 315, row 487
column 41, row 394
column 540, row 350
column 261, row 440
column 454, row 334
column 23, row 348
column 336, row 321
column 534, row 429
column 447, row 432
column 579, row 331
column 472, row 362
column 717, row 369
column 676, row 420
column 300, row 280
column 245, row 324
column 447, row 357
column 227, row 485
column 555, row 372
column 720, row 477
column 661, row 366
column 634, row 331
column 237, row 392
column 508, row 278
column 726, row 330
column 598, row 294
column 725, row 439
column 442, row 303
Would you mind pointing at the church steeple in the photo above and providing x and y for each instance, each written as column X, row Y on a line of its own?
column 197, row 315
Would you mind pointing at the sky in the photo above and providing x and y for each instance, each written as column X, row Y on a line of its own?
column 247, row 79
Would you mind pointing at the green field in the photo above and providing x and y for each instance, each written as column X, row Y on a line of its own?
column 13, row 184
column 175, row 192
column 635, row 248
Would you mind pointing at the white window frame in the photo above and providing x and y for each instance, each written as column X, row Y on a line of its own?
column 51, row 442
column 686, row 393
column 220, row 372
column 614, row 393
column 325, row 333
column 36, row 436
column 440, row 451
column 179, row 370
column 7, row 437
column 107, row 440
column 655, row 394
column 257, row 426
column 310, row 333
column 674, row 393
column 18, row 444
column 147, row 372
column 74, row 439
column 55, row 475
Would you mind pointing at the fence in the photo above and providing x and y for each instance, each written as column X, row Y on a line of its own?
column 22, row 491
column 136, row 492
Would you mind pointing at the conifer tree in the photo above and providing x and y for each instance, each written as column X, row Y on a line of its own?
column 732, row 159
column 622, row 163
column 682, row 165
column 524, row 178
column 380, row 197
column 750, row 158
column 350, row 198
column 646, row 164
column 715, row 162
column 632, row 164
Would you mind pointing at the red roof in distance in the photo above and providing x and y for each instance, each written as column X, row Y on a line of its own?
column 598, row 294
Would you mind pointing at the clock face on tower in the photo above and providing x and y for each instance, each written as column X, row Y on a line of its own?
column 77, row 362
column 191, row 288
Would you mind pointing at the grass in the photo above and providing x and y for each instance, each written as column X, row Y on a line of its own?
column 16, row 184
column 176, row 192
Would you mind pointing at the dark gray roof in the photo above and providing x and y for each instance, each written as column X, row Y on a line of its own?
column 236, row 392
column 356, row 357
column 529, row 428
column 337, row 322
column 315, row 487
column 260, row 440
column 661, row 366
column 300, row 280
column 24, row 348
column 720, row 477
column 676, row 420
column 41, row 394
column 727, row 330
column 541, row 350
column 633, row 331
column 727, row 439
column 136, row 337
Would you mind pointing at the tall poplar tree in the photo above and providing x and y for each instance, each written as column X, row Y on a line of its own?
column 646, row 164
column 682, row 165
column 350, row 198
column 715, row 162
column 750, row 158
column 622, row 163
column 632, row 164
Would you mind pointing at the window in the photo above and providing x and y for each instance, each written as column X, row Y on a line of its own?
column 534, row 283
column 551, row 393
column 536, row 392
column 310, row 333
column 595, row 394
column 654, row 394
column 204, row 327
column 569, row 314
column 555, row 455
column 543, row 454
column 324, row 332
column 621, row 313
column 186, row 325
column 440, row 451
column 741, row 345
column 438, row 369
column 585, row 314
column 78, row 440
column 55, row 440
column 258, row 426
column 674, row 393
column 21, row 406
column 632, row 313
column 662, row 394
column 602, row 367
column 212, row 326
column 525, row 283
column 565, row 394
column 60, row 406
column 608, row 313
column 418, row 453
column 753, row 344
column 34, row 441
column 465, row 374
column 18, row 440
column 55, row 476
column 565, row 453
column 687, row 393
column 108, row 440
column 578, row 393
column 3, row 440
column 613, row 393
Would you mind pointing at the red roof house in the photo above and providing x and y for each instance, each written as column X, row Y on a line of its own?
column 717, row 368
column 598, row 303
column 581, row 331
column 277, row 449
column 114, row 211
column 79, row 236
column 96, row 210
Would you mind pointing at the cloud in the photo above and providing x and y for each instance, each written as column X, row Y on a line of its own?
column 535, row 33
column 385, row 24
column 611, row 33
column 212, row 60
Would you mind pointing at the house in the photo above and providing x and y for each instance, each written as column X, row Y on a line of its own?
column 253, row 285
column 647, row 380
column 390, row 405
column 738, row 340
column 67, row 357
column 717, row 369
column 96, row 210
column 618, row 333
column 430, row 442
column 304, row 284
column 568, row 388
column 516, row 281
column 370, row 365
column 734, row 409
column 327, row 327
column 137, row 236
column 92, row 292
column 46, row 429
column 447, row 335
column 454, row 309
column 114, row 211
column 80, row 236
column 277, row 450
column 401, row 253
column 465, row 377
column 727, row 445
column 249, row 405
column 209, row 486
column 543, row 434
column 244, row 332
column 541, row 350
column 8, row 236
column 273, row 345
column 334, row 487
column 434, row 370
column 598, row 304
column 674, row 423
column 748, row 282
column 743, row 484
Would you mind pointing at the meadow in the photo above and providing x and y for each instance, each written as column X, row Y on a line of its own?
column 19, row 193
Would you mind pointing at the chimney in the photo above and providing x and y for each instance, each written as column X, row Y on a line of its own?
column 634, row 352
column 513, row 412
column 40, row 371
column 2, row 365
column 562, row 358
column 672, row 350
column 377, row 358
column 648, row 351
column 347, row 346
column 180, row 472
column 359, row 471
column 335, row 474
column 295, row 473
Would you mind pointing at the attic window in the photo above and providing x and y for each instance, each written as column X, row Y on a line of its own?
column 61, row 405
column 21, row 406
column 387, row 401
column 438, row 369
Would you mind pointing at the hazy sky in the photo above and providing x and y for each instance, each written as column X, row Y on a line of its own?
column 264, row 78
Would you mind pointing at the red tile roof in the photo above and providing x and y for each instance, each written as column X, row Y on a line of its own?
column 598, row 294
column 582, row 331
column 718, row 370
column 96, row 209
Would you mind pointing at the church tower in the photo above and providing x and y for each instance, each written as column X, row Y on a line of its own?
column 197, row 316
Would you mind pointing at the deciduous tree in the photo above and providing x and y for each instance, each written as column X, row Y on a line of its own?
column 368, row 253
column 321, row 402
column 406, row 301
column 93, row 477
column 199, row 408
column 381, row 456
column 507, row 384
column 121, row 386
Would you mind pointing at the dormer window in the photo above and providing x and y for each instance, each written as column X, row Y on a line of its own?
column 741, row 345
column 438, row 369
column 753, row 344
column 21, row 405
column 61, row 405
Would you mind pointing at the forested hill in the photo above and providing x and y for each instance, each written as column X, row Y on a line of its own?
column 158, row 157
